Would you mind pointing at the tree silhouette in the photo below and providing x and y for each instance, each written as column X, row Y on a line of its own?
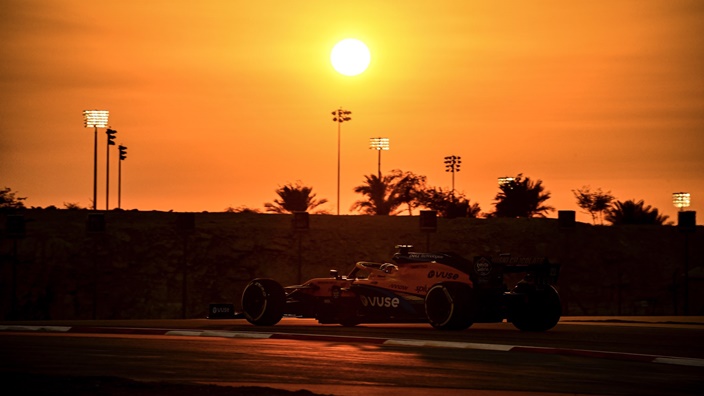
column 294, row 198
column 381, row 196
column 9, row 201
column 72, row 206
column 595, row 203
column 409, row 188
column 521, row 198
column 632, row 212
column 241, row 209
column 447, row 204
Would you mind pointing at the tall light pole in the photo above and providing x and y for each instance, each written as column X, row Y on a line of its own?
column 452, row 164
column 111, row 137
column 340, row 117
column 95, row 119
column 379, row 144
column 123, row 156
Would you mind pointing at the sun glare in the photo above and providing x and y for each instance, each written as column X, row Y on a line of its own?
column 350, row 57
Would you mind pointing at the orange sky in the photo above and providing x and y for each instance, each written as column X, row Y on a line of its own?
column 221, row 102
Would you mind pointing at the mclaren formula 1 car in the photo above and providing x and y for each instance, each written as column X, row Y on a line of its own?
column 443, row 289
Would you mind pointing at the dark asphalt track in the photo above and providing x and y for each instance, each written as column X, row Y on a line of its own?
column 602, row 356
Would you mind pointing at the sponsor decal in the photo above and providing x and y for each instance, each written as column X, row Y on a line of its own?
column 382, row 302
column 520, row 260
column 398, row 287
column 425, row 256
column 221, row 311
column 421, row 289
column 482, row 267
column 443, row 275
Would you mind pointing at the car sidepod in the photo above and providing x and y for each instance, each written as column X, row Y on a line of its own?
column 381, row 305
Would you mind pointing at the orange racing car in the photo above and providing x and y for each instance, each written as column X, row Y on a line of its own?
column 443, row 289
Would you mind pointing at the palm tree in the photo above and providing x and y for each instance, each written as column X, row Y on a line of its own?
column 449, row 205
column 381, row 195
column 522, row 198
column 409, row 187
column 294, row 198
column 632, row 212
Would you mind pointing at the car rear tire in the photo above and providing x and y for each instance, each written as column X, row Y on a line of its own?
column 539, row 310
column 450, row 306
column 263, row 302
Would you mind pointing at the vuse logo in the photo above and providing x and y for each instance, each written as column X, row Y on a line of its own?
column 382, row 302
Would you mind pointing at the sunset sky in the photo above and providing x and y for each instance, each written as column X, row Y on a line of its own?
column 221, row 102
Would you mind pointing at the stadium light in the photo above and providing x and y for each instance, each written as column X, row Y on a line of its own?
column 681, row 200
column 379, row 144
column 95, row 119
column 452, row 164
column 505, row 180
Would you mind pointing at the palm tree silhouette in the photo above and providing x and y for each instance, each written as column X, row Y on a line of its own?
column 522, row 198
column 381, row 195
column 632, row 212
column 294, row 198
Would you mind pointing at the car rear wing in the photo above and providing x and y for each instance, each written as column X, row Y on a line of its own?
column 485, row 271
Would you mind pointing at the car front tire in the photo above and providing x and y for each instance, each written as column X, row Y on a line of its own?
column 263, row 302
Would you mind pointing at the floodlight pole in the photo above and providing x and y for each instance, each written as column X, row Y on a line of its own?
column 378, row 165
column 95, row 168
column 338, row 167
column 340, row 117
column 95, row 119
column 123, row 156
column 119, row 184
column 452, row 164
column 379, row 144
column 107, row 176
column 111, row 135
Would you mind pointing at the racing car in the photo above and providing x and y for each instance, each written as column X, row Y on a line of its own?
column 443, row 289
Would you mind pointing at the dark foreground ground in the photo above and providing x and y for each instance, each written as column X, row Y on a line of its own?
column 34, row 384
column 48, row 384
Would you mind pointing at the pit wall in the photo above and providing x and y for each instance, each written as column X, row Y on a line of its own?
column 135, row 268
